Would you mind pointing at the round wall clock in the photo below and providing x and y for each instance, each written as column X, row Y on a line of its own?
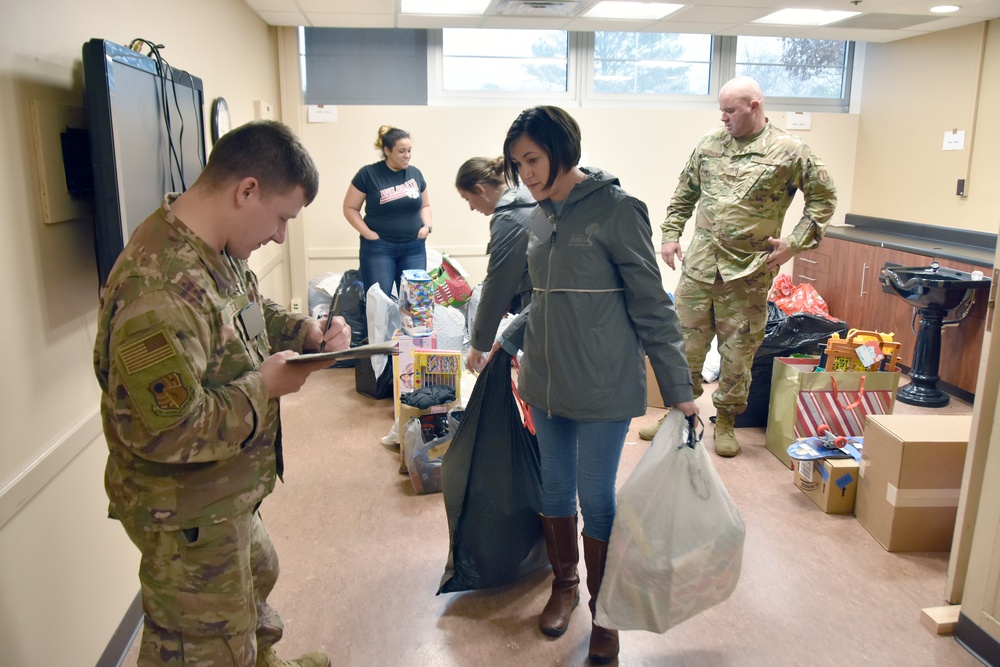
column 220, row 119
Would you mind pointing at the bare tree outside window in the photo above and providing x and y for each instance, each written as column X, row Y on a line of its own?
column 505, row 60
column 652, row 63
column 792, row 67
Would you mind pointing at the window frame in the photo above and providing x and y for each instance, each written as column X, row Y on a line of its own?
column 580, row 75
column 640, row 100
column 810, row 104
column 437, row 96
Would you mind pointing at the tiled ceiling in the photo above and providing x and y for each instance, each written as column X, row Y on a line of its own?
column 878, row 21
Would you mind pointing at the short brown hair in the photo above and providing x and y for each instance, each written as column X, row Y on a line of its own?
column 266, row 150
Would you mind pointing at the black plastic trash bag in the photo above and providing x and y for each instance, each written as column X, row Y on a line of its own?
column 349, row 303
column 492, row 485
column 801, row 333
column 785, row 335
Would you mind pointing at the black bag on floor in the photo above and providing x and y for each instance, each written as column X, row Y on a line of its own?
column 785, row 335
column 367, row 384
column 492, row 485
column 349, row 302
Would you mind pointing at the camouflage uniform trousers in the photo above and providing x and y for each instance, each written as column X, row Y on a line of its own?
column 736, row 313
column 204, row 594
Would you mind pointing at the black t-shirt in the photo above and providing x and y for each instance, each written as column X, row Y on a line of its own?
column 393, row 200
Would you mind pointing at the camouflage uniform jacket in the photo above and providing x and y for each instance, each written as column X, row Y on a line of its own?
column 189, row 425
column 742, row 195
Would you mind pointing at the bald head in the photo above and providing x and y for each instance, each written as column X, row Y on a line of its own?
column 742, row 104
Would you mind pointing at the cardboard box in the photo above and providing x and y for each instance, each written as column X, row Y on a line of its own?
column 830, row 483
column 910, row 479
column 402, row 364
column 653, row 398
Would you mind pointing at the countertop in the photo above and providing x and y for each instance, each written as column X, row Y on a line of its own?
column 941, row 243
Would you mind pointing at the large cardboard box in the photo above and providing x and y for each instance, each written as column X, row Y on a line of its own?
column 653, row 398
column 910, row 479
column 830, row 483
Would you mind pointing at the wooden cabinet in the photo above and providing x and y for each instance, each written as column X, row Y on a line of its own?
column 846, row 275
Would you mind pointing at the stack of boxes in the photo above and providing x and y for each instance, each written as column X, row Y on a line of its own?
column 906, row 488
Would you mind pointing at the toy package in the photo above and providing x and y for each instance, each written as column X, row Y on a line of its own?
column 416, row 303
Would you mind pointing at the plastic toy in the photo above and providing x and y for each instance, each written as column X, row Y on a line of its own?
column 826, row 445
column 829, row 438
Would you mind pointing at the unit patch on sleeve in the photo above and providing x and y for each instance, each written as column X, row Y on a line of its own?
column 169, row 392
column 157, row 377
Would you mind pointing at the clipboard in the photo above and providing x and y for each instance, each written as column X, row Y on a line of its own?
column 359, row 352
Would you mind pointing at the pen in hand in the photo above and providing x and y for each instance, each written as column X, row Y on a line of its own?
column 329, row 318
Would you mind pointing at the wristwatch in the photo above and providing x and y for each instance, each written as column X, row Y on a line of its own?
column 430, row 229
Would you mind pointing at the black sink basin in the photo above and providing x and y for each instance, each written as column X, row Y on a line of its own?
column 930, row 286
column 933, row 291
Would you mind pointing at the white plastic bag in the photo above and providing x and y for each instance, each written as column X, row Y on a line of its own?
column 383, row 317
column 713, row 363
column 676, row 546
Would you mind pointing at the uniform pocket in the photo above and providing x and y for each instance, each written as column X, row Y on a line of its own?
column 759, row 179
column 198, row 580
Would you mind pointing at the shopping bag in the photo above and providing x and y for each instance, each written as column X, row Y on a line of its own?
column 492, row 487
column 423, row 449
column 802, row 400
column 676, row 546
column 451, row 282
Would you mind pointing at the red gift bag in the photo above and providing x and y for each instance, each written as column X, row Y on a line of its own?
column 451, row 284
column 844, row 412
column 802, row 400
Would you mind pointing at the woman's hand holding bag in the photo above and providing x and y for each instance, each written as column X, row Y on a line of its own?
column 676, row 547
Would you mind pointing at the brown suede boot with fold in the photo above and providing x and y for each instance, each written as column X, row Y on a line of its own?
column 603, row 641
column 564, row 554
column 725, row 435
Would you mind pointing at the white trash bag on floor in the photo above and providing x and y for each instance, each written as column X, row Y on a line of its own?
column 676, row 546
column 713, row 363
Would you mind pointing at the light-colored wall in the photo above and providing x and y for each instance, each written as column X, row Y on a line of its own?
column 67, row 573
column 645, row 148
column 915, row 90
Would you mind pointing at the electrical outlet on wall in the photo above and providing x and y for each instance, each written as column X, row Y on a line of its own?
column 296, row 306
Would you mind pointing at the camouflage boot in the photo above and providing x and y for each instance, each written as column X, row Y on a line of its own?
column 725, row 435
column 648, row 432
column 314, row 659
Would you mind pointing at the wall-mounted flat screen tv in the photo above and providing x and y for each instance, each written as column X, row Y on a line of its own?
column 147, row 138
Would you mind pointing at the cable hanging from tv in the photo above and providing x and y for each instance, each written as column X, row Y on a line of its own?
column 163, row 72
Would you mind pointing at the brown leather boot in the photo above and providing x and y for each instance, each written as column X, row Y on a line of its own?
column 603, row 641
column 564, row 554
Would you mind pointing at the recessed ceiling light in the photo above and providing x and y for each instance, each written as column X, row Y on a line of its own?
column 463, row 7
column 615, row 9
column 945, row 9
column 804, row 17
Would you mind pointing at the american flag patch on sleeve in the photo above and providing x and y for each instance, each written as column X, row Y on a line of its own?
column 145, row 352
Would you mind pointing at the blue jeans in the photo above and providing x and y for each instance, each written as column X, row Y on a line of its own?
column 580, row 457
column 383, row 261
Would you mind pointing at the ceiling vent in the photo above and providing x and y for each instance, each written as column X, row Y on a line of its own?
column 539, row 8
